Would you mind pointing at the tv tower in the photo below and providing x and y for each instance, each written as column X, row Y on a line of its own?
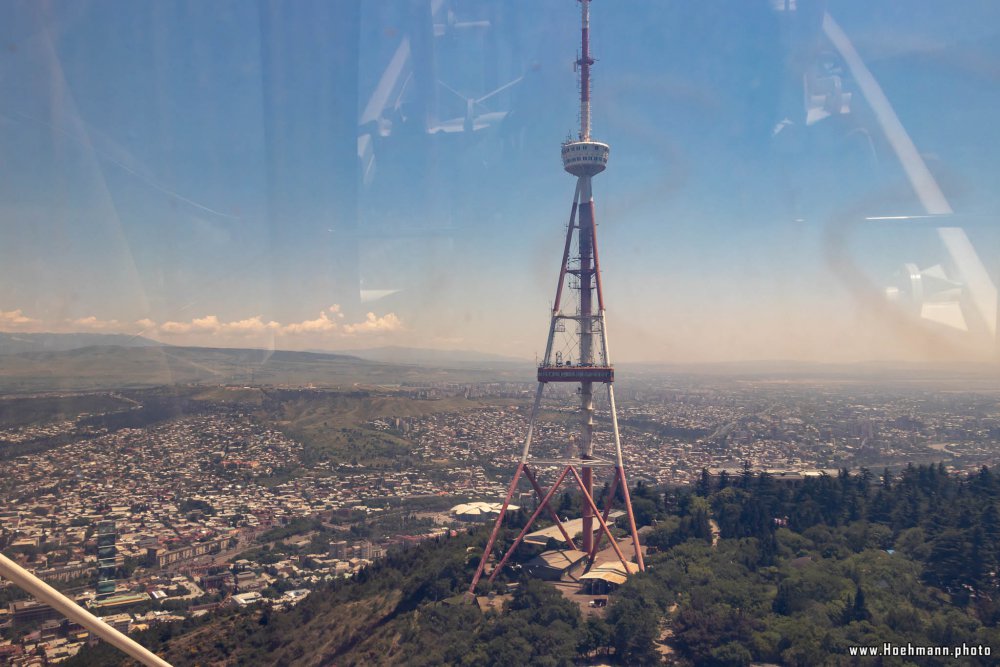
column 587, row 339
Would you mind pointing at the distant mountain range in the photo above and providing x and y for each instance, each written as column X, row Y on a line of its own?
column 104, row 367
column 19, row 343
column 428, row 357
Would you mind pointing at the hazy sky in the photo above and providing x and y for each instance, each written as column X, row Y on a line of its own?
column 241, row 174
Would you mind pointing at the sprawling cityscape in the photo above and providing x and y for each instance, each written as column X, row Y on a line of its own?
column 222, row 509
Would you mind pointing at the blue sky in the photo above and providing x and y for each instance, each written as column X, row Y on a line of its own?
column 191, row 171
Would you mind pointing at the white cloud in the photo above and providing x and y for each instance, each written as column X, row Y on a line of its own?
column 176, row 327
column 208, row 323
column 321, row 324
column 93, row 323
column 16, row 319
column 251, row 325
column 373, row 324
column 311, row 331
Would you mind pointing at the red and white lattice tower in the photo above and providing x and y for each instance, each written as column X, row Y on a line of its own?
column 583, row 158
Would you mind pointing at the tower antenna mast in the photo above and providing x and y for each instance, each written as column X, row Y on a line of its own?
column 584, row 64
column 584, row 329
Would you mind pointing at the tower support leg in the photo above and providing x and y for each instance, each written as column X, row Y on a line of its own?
column 604, row 526
column 631, row 522
column 552, row 513
column 620, row 468
column 496, row 529
column 513, row 483
column 587, row 479
column 608, row 503
column 527, row 526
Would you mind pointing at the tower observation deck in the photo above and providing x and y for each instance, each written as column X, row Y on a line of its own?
column 577, row 352
column 585, row 158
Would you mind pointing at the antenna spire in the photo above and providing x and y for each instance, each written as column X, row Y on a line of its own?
column 581, row 271
column 584, row 64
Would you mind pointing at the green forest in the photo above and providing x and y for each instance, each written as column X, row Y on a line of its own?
column 801, row 572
